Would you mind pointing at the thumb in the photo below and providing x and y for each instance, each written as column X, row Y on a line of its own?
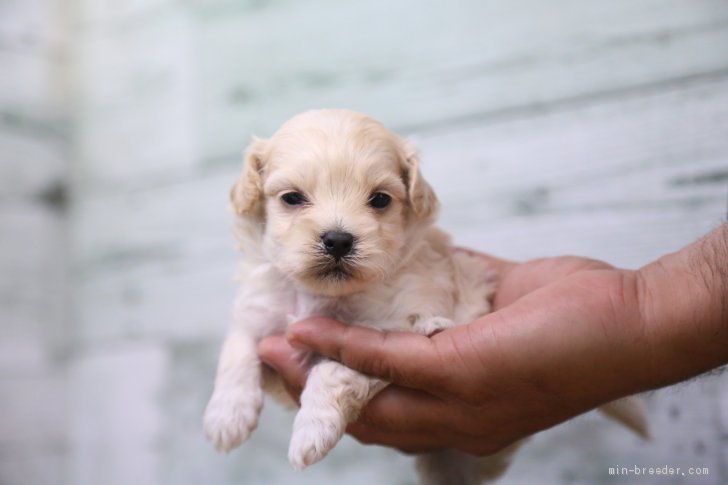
column 407, row 359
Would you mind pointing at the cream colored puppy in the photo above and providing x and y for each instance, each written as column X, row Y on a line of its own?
column 336, row 220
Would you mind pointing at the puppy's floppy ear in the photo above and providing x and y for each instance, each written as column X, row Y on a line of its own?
column 421, row 197
column 246, row 195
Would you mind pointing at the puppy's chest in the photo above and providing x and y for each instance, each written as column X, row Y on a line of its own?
column 385, row 307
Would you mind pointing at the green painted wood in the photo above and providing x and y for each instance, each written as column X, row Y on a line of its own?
column 546, row 127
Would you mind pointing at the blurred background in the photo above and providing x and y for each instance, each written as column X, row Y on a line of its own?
column 547, row 128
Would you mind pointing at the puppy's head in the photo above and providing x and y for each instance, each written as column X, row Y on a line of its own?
column 339, row 200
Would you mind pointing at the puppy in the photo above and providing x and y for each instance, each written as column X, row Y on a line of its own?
column 336, row 220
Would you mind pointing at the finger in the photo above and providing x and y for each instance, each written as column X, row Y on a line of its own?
column 423, row 442
column 399, row 409
column 402, row 418
column 410, row 443
column 292, row 365
column 408, row 359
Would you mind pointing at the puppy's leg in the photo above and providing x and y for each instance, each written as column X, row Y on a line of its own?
column 233, row 411
column 431, row 325
column 631, row 412
column 332, row 398
column 446, row 467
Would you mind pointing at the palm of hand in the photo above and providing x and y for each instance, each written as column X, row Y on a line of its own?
column 543, row 356
column 480, row 398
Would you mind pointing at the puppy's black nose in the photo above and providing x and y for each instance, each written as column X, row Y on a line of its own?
column 337, row 244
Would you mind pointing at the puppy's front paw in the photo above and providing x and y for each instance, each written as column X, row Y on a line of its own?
column 231, row 416
column 313, row 437
column 432, row 325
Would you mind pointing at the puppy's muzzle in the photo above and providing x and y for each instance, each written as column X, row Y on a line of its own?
column 337, row 243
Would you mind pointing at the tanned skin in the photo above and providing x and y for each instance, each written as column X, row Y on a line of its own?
column 567, row 335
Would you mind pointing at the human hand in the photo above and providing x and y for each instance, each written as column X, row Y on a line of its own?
column 546, row 354
column 566, row 335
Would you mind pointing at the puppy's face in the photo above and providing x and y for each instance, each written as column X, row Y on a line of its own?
column 338, row 197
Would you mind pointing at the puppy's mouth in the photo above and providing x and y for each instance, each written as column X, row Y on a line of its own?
column 335, row 274
column 337, row 270
column 331, row 268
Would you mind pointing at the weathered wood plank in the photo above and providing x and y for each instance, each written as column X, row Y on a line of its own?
column 33, row 290
column 132, row 269
column 137, row 114
column 32, row 164
column 33, row 422
column 31, row 53
column 417, row 69
column 114, row 415
column 413, row 65
column 598, row 129
column 624, row 181
column 33, row 245
column 31, row 106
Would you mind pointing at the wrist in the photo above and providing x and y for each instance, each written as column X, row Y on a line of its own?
column 684, row 305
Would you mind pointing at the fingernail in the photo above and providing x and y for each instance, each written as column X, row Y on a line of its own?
column 268, row 348
column 292, row 337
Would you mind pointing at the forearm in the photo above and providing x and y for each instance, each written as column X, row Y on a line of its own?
column 684, row 302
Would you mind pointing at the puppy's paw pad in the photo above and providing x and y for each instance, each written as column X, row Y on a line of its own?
column 230, row 418
column 432, row 325
column 310, row 444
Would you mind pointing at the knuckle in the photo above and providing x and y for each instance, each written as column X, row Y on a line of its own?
column 378, row 367
column 373, row 359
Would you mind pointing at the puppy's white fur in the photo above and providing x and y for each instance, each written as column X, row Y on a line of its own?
column 401, row 275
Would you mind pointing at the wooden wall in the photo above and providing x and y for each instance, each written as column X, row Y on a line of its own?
column 593, row 128
column 34, row 242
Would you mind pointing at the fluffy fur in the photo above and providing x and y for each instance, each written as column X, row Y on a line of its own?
column 400, row 274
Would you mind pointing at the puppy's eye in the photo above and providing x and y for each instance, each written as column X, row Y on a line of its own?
column 380, row 200
column 294, row 198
